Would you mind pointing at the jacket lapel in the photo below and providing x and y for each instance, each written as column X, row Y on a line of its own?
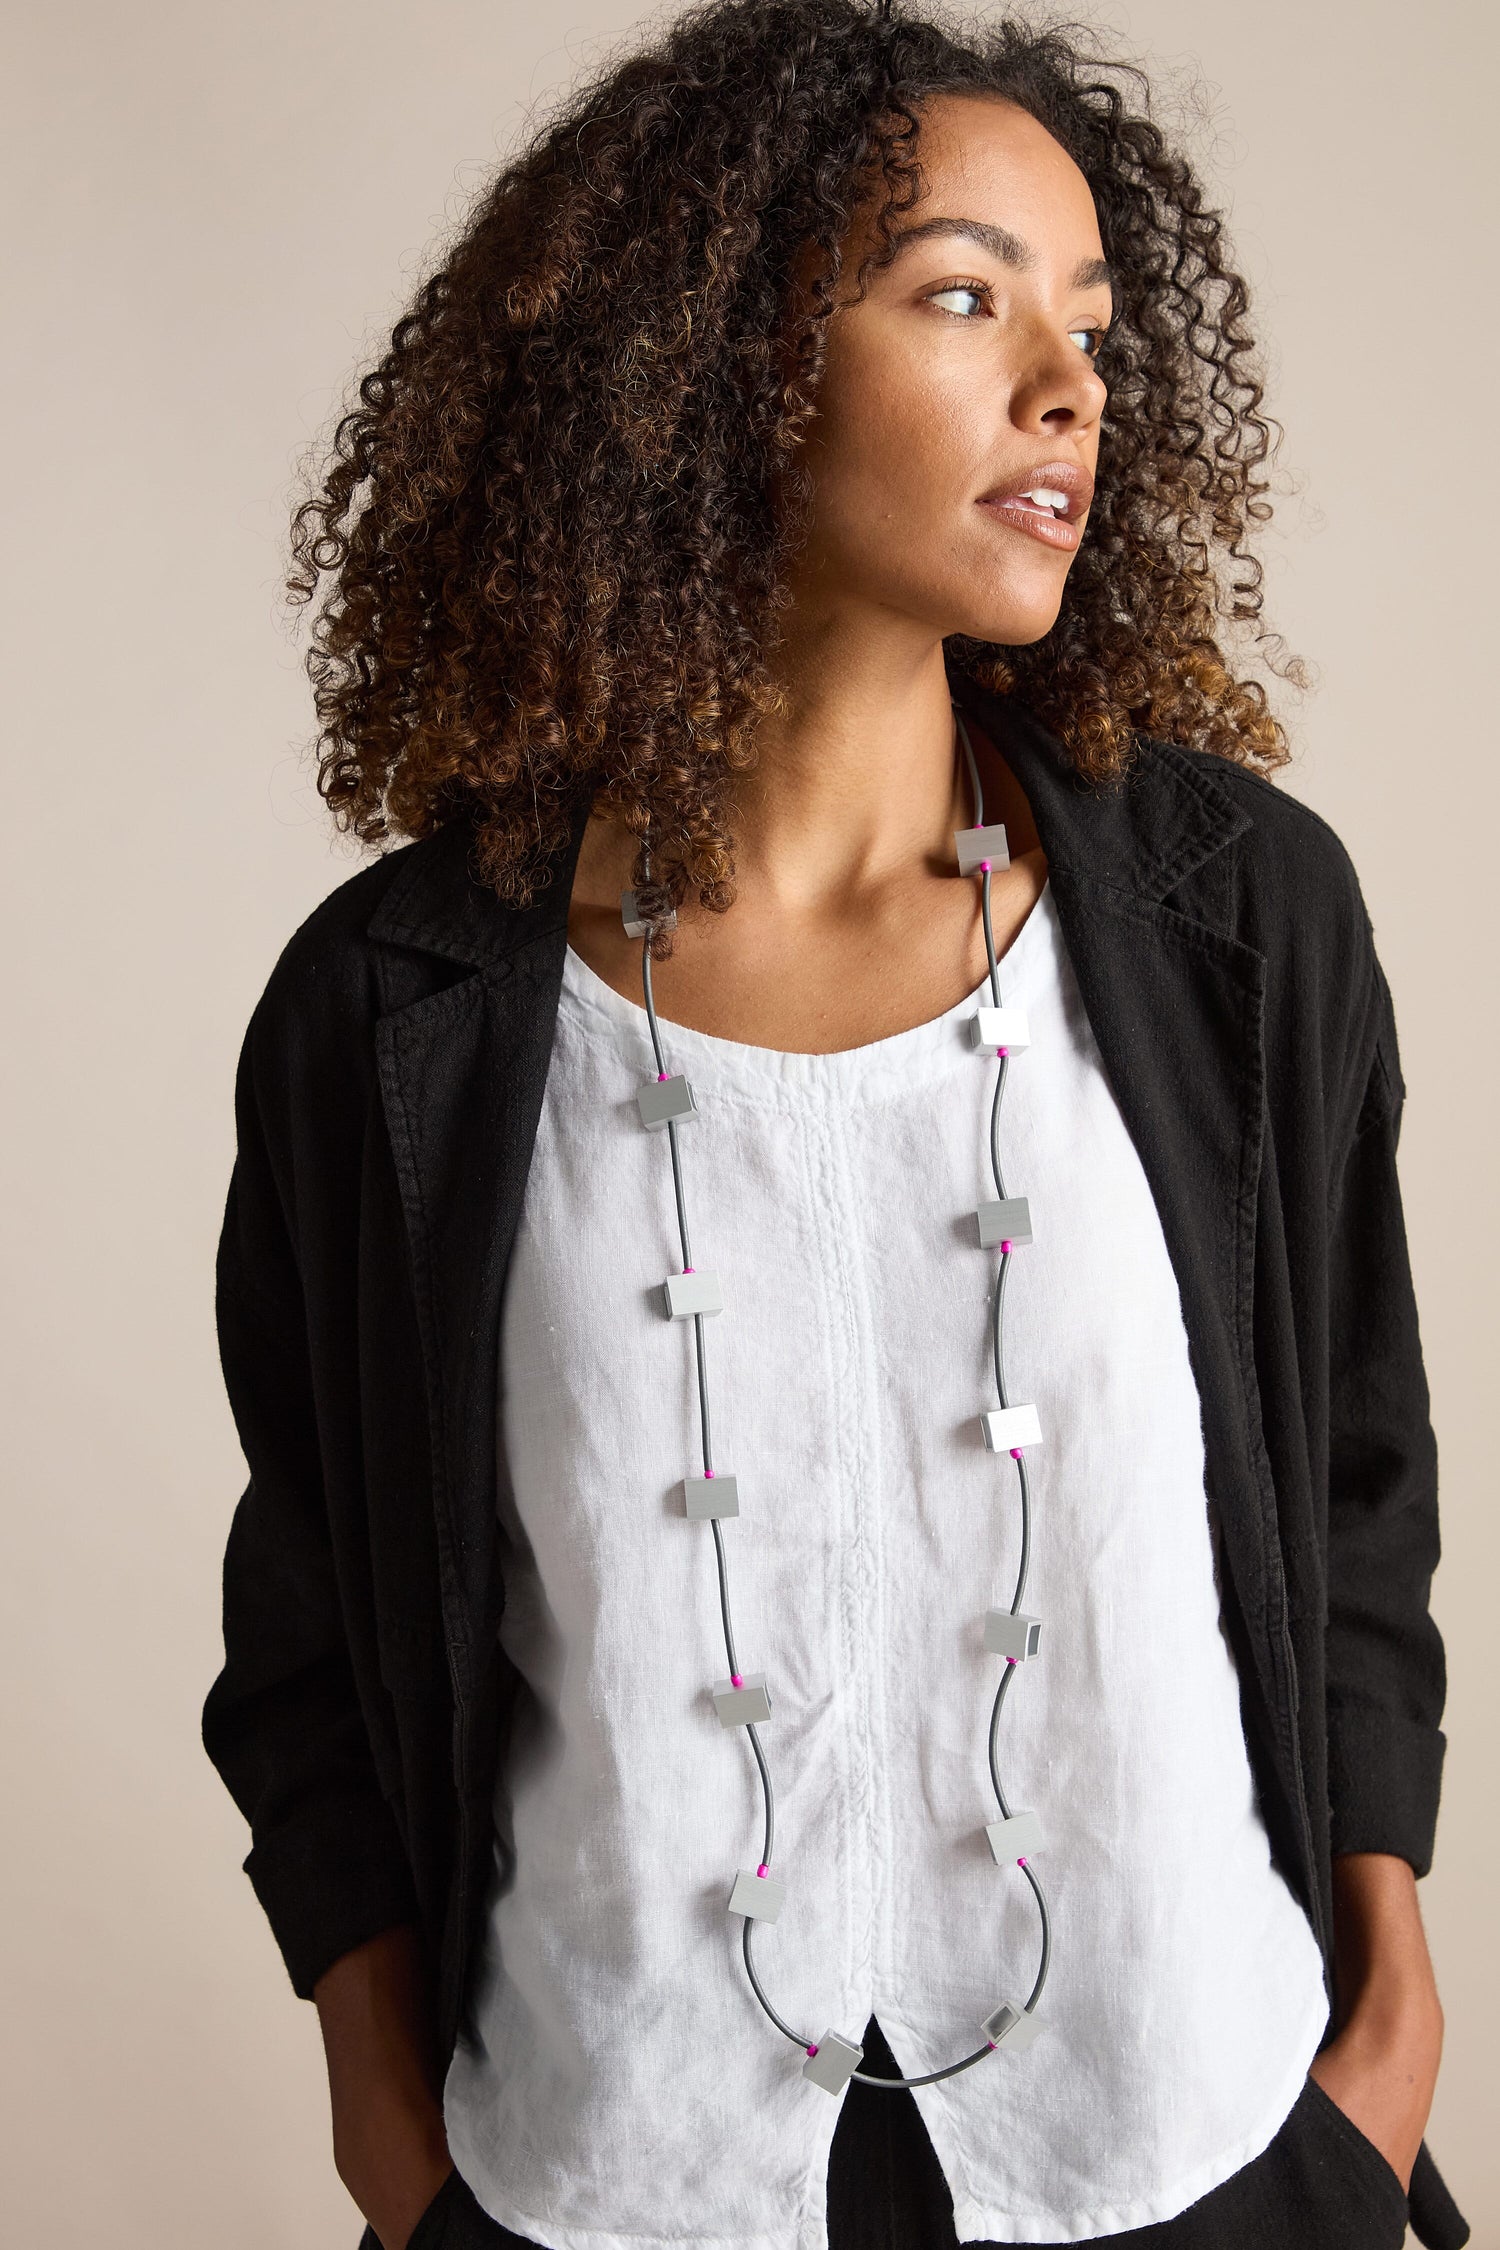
column 462, row 1072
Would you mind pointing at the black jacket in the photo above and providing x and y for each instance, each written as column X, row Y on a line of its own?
column 387, row 1102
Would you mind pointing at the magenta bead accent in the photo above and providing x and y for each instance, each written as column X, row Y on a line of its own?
column 1016, row 1451
column 738, row 1681
column 1012, row 1660
column 812, row 2050
column 689, row 1269
column 710, row 1472
column 992, row 2046
column 1005, row 1249
column 1002, row 1051
column 1020, row 1863
column 984, row 867
column 662, row 1077
column 763, row 1869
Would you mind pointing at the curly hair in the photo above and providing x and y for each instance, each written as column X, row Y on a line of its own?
column 554, row 532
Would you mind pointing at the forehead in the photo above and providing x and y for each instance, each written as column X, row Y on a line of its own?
column 989, row 159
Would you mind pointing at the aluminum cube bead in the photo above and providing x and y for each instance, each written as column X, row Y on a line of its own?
column 662, row 1099
column 1011, row 2028
column 688, row 1293
column 704, row 1497
column 975, row 844
column 760, row 1895
column 634, row 926
column 1009, row 1221
column 1015, row 1838
column 1011, row 1633
column 1007, row 1426
column 834, row 2064
column 993, row 1028
column 741, row 1706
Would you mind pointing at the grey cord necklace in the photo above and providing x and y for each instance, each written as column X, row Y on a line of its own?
column 744, row 1700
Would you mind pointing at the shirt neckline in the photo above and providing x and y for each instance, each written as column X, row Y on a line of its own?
column 875, row 1067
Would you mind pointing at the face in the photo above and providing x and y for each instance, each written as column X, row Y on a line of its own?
column 957, row 432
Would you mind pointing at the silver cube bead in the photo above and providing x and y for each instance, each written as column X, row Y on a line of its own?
column 689, row 1293
column 1015, row 1838
column 741, row 1706
column 662, row 1099
column 834, row 2064
column 975, row 844
column 1009, row 1221
column 1011, row 2028
column 634, row 926
column 703, row 1497
column 760, row 1895
column 1011, row 1633
column 1005, row 1426
column 991, row 1028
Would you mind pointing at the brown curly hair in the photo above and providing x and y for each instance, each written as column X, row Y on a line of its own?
column 555, row 529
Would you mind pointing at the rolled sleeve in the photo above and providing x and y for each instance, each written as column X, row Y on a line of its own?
column 1386, row 1675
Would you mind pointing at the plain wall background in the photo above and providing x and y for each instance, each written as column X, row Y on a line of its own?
column 211, row 213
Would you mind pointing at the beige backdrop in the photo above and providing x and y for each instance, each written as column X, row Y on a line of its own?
column 210, row 211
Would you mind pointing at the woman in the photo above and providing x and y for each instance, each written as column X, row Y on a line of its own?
column 777, row 583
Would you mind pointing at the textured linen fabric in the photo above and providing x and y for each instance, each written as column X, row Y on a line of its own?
column 1319, row 2184
column 618, row 2086
column 1316, row 2185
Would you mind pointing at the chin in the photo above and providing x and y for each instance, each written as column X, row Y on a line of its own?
column 1009, row 624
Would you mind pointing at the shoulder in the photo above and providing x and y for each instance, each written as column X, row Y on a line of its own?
column 1291, row 856
column 1295, row 895
column 326, row 970
column 334, row 976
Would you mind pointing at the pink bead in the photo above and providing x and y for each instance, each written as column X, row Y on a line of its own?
column 812, row 2050
column 1020, row 1863
column 992, row 2046
column 738, row 1681
column 984, row 867
column 1016, row 1451
column 662, row 1076
column 762, row 1869
column 1002, row 1050
column 1005, row 1249
column 1012, row 1660
column 710, row 1472
column 688, row 1269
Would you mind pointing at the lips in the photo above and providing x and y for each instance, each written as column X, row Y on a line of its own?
column 1047, row 502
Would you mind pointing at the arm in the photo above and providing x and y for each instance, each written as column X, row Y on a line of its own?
column 282, row 1721
column 1385, row 1662
column 384, row 2085
column 1382, row 2066
column 1386, row 1676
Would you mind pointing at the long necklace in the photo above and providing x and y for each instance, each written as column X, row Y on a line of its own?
column 744, row 1698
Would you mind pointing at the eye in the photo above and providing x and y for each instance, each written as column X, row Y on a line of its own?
column 961, row 298
column 1089, row 340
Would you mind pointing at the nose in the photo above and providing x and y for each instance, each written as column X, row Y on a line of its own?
column 1060, row 392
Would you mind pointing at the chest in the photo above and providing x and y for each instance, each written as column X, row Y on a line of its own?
column 769, row 978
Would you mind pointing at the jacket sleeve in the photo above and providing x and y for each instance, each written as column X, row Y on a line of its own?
column 1386, row 1678
column 282, row 1721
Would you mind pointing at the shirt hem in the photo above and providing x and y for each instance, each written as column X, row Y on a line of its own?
column 978, row 2222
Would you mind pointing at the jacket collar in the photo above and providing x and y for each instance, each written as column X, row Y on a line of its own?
column 1143, row 834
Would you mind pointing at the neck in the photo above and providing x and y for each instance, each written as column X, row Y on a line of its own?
column 856, row 776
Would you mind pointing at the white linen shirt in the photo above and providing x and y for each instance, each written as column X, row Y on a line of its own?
column 619, row 2086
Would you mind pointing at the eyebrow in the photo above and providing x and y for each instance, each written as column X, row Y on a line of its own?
column 1090, row 273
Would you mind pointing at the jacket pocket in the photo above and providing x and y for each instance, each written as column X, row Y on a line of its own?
column 1379, row 2170
column 431, row 2227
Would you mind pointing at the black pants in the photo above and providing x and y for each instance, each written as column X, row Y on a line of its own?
column 1319, row 2185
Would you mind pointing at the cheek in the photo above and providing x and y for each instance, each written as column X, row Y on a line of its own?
column 904, row 440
